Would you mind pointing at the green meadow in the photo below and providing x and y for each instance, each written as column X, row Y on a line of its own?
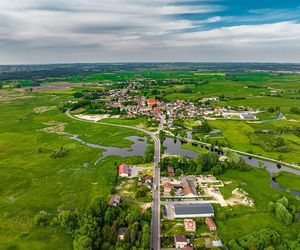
column 31, row 181
column 239, row 133
column 236, row 221
column 289, row 181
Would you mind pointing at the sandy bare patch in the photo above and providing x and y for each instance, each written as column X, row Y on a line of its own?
column 44, row 109
column 240, row 197
column 54, row 127
column 93, row 118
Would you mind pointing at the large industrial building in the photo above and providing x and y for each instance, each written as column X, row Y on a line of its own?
column 193, row 210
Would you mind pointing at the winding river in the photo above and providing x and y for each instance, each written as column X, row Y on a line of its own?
column 173, row 147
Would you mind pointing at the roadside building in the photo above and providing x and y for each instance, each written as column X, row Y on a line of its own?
column 167, row 186
column 193, row 210
column 149, row 180
column 189, row 189
column 189, row 225
column 123, row 170
column 121, row 233
column 170, row 171
column 210, row 224
column 114, row 200
column 180, row 241
column 247, row 116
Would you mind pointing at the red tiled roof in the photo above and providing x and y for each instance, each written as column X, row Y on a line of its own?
column 189, row 225
column 123, row 169
column 210, row 223
column 167, row 185
column 151, row 102
column 180, row 238
column 148, row 177
column 188, row 188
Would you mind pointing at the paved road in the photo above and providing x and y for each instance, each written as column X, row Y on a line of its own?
column 155, row 222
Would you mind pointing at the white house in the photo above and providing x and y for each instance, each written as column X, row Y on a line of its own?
column 180, row 241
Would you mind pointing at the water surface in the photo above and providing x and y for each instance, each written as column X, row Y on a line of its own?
column 138, row 147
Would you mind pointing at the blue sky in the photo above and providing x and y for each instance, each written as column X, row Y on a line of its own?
column 54, row 31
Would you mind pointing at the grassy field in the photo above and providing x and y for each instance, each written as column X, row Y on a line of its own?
column 264, row 102
column 234, row 222
column 135, row 122
column 289, row 181
column 238, row 134
column 31, row 181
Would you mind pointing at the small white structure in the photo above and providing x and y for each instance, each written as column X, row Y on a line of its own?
column 121, row 233
column 217, row 243
column 248, row 116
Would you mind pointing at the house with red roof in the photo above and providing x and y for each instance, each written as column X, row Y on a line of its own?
column 210, row 224
column 123, row 170
column 167, row 186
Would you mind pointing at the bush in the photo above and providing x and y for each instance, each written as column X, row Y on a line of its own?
column 59, row 153
column 41, row 219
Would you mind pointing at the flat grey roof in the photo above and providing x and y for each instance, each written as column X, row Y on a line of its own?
column 182, row 209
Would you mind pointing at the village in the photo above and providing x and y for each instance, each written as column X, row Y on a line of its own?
column 131, row 104
column 134, row 106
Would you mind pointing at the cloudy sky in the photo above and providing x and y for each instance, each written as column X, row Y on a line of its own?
column 54, row 31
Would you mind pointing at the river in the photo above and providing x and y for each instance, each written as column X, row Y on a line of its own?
column 173, row 147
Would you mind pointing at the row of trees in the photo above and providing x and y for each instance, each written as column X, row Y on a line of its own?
column 264, row 239
column 149, row 153
column 98, row 226
column 206, row 163
column 283, row 212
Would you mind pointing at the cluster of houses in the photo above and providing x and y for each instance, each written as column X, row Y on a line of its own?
column 189, row 212
column 127, row 171
column 189, row 205
column 134, row 105
column 183, row 187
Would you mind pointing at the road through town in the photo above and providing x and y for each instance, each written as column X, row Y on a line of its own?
column 155, row 222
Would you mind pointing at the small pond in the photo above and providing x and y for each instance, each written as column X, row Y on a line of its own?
column 173, row 147
column 138, row 147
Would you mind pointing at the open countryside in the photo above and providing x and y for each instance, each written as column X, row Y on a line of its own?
column 150, row 159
